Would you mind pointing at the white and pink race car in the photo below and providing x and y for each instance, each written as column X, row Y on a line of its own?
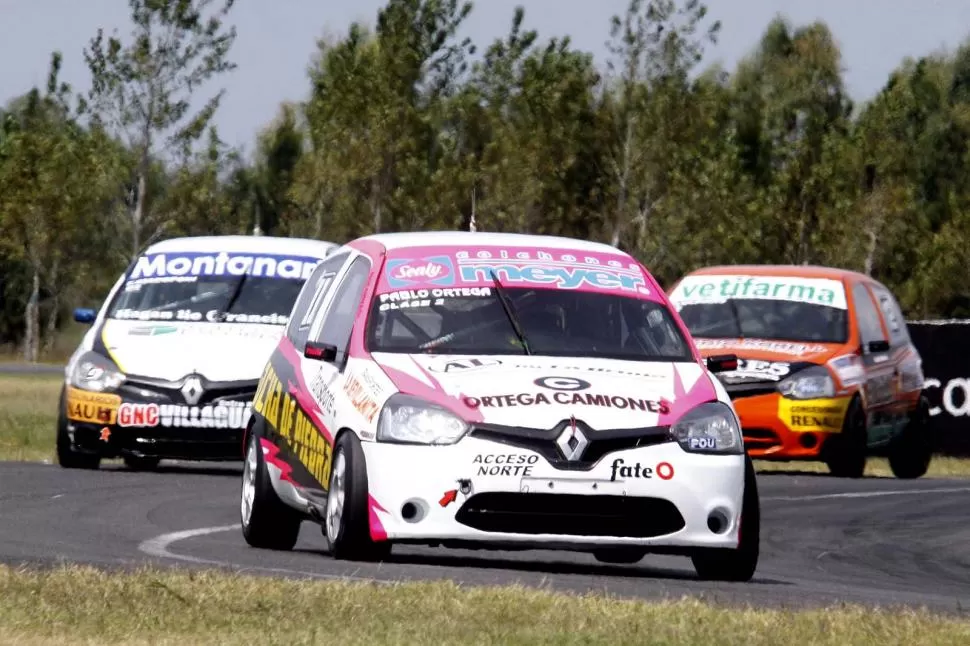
column 496, row 391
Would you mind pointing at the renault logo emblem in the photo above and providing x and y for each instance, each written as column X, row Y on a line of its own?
column 192, row 390
column 572, row 441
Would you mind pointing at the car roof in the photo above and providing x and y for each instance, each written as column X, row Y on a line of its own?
column 800, row 271
column 392, row 241
column 245, row 244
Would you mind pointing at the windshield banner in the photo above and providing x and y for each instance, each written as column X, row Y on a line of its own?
column 720, row 288
column 444, row 268
column 188, row 266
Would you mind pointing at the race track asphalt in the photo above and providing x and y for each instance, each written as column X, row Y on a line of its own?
column 873, row 541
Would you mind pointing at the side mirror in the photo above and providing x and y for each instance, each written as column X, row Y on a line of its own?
column 876, row 347
column 320, row 351
column 85, row 315
column 722, row 363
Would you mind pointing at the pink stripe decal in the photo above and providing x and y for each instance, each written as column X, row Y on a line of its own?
column 377, row 531
column 409, row 385
column 299, row 390
column 440, row 268
column 701, row 392
column 271, row 453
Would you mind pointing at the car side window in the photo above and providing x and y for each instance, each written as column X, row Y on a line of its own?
column 311, row 298
column 339, row 317
column 870, row 327
column 893, row 315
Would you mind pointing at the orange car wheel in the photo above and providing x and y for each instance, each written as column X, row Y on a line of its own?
column 845, row 453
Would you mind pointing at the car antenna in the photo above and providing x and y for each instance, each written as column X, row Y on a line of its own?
column 503, row 298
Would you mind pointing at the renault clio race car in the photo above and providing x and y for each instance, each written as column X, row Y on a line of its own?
column 169, row 367
column 826, row 367
column 496, row 391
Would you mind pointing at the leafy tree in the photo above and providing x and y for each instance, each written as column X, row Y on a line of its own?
column 145, row 88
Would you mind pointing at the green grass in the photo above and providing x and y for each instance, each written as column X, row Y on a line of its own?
column 28, row 415
column 65, row 342
column 78, row 605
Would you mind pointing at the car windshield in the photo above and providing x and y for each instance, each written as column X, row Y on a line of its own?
column 554, row 322
column 237, row 288
column 763, row 307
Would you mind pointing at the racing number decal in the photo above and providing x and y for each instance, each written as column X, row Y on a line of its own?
column 293, row 427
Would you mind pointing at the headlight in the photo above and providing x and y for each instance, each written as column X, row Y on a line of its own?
column 412, row 420
column 94, row 372
column 811, row 383
column 709, row 428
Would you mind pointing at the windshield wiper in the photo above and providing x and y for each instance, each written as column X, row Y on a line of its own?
column 233, row 298
column 503, row 298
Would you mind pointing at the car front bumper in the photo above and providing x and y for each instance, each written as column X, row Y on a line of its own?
column 479, row 491
column 125, row 424
column 778, row 428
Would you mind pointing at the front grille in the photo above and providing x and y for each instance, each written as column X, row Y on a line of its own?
column 737, row 391
column 601, row 442
column 169, row 392
column 570, row 515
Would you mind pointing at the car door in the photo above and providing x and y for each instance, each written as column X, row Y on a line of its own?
column 880, row 369
column 289, row 423
column 908, row 383
column 333, row 320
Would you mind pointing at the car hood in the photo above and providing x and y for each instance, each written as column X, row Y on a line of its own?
column 170, row 351
column 539, row 392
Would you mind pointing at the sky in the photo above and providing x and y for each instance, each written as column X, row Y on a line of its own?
column 277, row 39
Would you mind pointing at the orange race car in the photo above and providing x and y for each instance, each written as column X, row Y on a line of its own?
column 826, row 369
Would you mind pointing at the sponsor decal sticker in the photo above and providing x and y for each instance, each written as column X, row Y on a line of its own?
column 91, row 407
column 568, row 399
column 190, row 316
column 220, row 330
column 194, row 264
column 755, row 369
column 408, row 299
column 781, row 347
column 702, row 443
column 463, row 365
column 510, row 464
column 818, row 415
column 294, row 428
column 360, row 398
column 719, row 289
column 221, row 415
column 562, row 383
column 430, row 270
column 562, row 270
column 320, row 388
column 621, row 471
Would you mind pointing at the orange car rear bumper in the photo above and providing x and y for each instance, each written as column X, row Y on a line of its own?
column 778, row 428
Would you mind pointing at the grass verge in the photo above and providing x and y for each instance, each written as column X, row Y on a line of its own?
column 79, row 605
column 28, row 415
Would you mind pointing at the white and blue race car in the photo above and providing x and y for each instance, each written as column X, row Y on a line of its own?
column 170, row 364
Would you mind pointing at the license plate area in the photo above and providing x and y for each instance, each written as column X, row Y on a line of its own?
column 587, row 486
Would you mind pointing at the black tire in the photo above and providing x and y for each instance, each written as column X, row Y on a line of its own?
column 349, row 531
column 846, row 453
column 67, row 456
column 619, row 555
column 141, row 463
column 740, row 563
column 911, row 451
column 270, row 524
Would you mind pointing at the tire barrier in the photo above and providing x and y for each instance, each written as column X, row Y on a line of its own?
column 945, row 349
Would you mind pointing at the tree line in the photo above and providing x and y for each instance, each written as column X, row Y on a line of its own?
column 407, row 126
